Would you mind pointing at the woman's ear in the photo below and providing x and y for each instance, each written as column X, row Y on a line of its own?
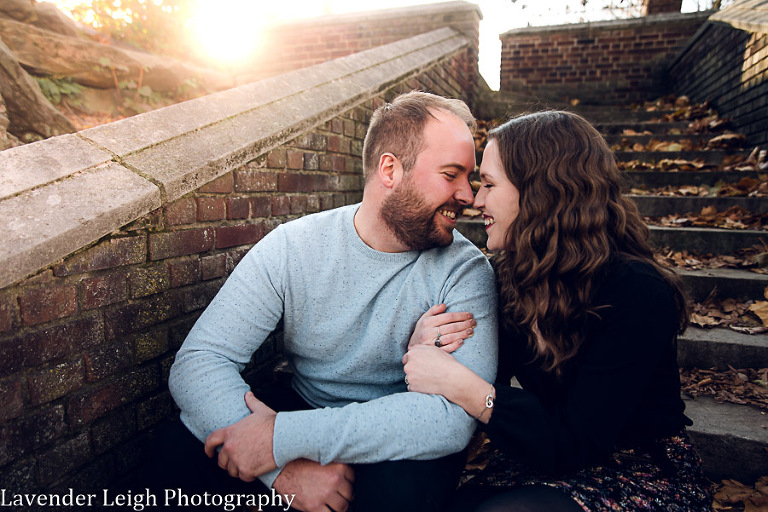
column 390, row 170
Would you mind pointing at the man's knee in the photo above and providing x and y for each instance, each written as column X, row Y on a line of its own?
column 418, row 485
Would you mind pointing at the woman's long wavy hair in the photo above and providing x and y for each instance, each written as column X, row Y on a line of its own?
column 573, row 220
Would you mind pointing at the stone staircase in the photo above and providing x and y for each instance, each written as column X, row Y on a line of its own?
column 732, row 438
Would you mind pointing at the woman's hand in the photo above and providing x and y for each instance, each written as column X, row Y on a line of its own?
column 449, row 329
column 433, row 371
column 430, row 370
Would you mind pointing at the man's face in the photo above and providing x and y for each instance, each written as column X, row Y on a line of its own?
column 422, row 209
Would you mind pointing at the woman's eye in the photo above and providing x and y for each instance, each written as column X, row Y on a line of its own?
column 487, row 185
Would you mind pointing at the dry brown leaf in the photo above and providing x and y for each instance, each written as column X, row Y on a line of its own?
column 760, row 308
column 703, row 321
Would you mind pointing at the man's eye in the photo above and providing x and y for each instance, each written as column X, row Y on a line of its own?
column 449, row 175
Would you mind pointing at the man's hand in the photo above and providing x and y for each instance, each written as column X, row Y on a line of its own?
column 317, row 488
column 246, row 446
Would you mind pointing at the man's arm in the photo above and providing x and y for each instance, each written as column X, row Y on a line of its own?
column 403, row 425
column 205, row 378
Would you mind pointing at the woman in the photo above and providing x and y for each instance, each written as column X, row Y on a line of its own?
column 589, row 326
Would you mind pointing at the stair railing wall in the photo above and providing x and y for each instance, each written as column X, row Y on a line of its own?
column 726, row 64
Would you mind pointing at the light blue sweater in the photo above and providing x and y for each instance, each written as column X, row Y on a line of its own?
column 348, row 312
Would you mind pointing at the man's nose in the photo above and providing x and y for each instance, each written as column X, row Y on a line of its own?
column 464, row 195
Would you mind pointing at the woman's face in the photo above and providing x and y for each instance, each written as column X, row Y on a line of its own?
column 498, row 198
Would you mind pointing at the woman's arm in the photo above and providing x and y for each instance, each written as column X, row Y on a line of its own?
column 431, row 370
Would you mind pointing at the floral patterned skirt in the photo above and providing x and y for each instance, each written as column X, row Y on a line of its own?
column 665, row 477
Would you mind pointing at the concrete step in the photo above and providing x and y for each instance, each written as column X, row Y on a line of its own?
column 721, row 347
column 700, row 240
column 731, row 439
column 618, row 127
column 724, row 283
column 597, row 114
column 704, row 240
column 697, row 139
column 714, row 157
column 653, row 179
column 659, row 206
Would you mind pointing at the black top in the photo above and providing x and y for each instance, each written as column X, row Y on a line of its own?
column 621, row 390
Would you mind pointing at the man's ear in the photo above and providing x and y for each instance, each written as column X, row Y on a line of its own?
column 390, row 170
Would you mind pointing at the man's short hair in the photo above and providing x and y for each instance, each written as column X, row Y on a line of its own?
column 397, row 127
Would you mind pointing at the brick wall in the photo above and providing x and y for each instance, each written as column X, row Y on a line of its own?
column 305, row 43
column 603, row 62
column 86, row 342
column 728, row 67
column 661, row 6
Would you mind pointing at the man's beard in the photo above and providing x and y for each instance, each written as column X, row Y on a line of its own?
column 406, row 213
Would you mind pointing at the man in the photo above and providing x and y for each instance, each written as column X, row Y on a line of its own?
column 349, row 285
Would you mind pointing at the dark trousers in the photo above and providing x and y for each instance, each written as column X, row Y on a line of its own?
column 405, row 485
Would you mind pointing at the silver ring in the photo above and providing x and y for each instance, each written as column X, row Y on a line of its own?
column 438, row 343
column 406, row 381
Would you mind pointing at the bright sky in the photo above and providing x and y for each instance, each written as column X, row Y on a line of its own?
column 220, row 33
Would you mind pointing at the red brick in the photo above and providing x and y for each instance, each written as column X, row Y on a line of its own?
column 150, row 345
column 349, row 128
column 31, row 432
column 276, row 159
column 214, row 266
column 179, row 243
column 41, row 346
column 182, row 211
column 281, row 205
column 336, row 125
column 11, row 398
column 238, row 208
column 113, row 429
column 261, row 206
column 54, row 382
column 88, row 405
column 6, row 313
column 184, row 272
column 230, row 236
column 311, row 162
column 147, row 312
column 326, row 202
column 149, row 280
column 115, row 252
column 211, row 208
column 222, row 185
column 154, row 410
column 104, row 290
column 313, row 141
column 298, row 204
column 234, row 257
column 63, row 458
column 313, row 204
column 339, row 163
column 295, row 159
column 42, row 305
column 334, row 143
column 199, row 296
column 255, row 181
column 108, row 360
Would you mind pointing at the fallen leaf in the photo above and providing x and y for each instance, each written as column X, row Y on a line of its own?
column 760, row 308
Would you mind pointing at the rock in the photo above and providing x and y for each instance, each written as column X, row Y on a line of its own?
column 31, row 116
column 6, row 139
column 19, row 10
column 50, row 18
column 96, row 65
